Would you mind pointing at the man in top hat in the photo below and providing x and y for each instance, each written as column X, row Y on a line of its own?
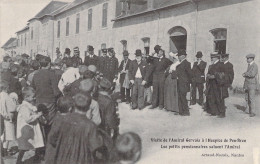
column 198, row 79
column 214, row 88
column 124, row 79
column 76, row 58
column 91, row 58
column 161, row 63
column 251, row 83
column 111, row 66
column 184, row 76
column 101, row 61
column 229, row 74
column 137, row 76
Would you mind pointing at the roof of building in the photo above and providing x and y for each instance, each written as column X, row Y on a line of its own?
column 23, row 29
column 73, row 4
column 49, row 9
column 11, row 40
column 12, row 44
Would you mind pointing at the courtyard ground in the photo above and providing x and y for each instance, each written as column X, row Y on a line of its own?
column 160, row 124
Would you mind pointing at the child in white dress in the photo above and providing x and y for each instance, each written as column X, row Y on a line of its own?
column 29, row 134
column 7, row 109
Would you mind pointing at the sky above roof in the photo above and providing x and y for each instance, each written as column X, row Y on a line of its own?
column 14, row 15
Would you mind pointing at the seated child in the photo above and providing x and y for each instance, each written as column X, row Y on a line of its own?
column 28, row 117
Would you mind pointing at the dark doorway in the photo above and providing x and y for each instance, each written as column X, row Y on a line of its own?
column 178, row 39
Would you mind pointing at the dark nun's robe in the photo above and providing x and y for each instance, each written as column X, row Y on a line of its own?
column 214, row 90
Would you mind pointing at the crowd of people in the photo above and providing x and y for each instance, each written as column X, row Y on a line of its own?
column 67, row 110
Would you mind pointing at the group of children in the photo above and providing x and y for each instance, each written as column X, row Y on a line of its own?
column 85, row 127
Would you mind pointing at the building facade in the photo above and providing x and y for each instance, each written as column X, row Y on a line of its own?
column 195, row 25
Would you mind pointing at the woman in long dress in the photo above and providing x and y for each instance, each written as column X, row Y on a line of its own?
column 170, row 90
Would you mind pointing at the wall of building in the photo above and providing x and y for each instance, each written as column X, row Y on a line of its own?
column 95, row 37
column 24, row 47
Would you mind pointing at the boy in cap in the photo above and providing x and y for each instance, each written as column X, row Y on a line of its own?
column 198, row 80
column 138, row 78
column 91, row 58
column 251, row 83
column 108, row 110
column 124, row 79
column 215, row 104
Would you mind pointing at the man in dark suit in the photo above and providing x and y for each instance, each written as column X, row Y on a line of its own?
column 198, row 79
column 137, row 76
column 229, row 74
column 91, row 58
column 161, row 63
column 101, row 61
column 123, row 79
column 76, row 58
column 184, row 75
column 111, row 66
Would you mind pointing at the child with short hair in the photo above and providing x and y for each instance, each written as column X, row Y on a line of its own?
column 65, row 105
column 7, row 109
column 28, row 117
column 128, row 148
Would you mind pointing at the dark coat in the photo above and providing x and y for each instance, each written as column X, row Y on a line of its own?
column 133, row 67
column 121, row 67
column 76, row 61
column 91, row 60
column 184, row 75
column 199, row 72
column 102, row 63
column 229, row 77
column 111, row 68
column 107, row 108
column 149, row 74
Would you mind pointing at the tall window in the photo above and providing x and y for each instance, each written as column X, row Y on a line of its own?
column 58, row 30
column 124, row 44
column 25, row 39
column 32, row 34
column 220, row 40
column 146, row 45
column 89, row 19
column 67, row 26
column 104, row 15
column 77, row 23
column 21, row 40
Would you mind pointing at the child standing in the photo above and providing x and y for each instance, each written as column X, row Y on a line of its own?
column 29, row 134
column 7, row 109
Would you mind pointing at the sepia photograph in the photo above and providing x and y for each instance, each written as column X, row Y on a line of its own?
column 130, row 81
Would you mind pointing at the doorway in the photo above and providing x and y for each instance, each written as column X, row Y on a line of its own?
column 178, row 39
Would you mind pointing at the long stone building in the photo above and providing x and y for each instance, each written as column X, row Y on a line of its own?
column 230, row 26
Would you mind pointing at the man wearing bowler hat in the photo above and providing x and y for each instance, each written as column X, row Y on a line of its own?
column 184, row 76
column 251, row 83
column 124, row 79
column 198, row 79
column 91, row 58
column 137, row 76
